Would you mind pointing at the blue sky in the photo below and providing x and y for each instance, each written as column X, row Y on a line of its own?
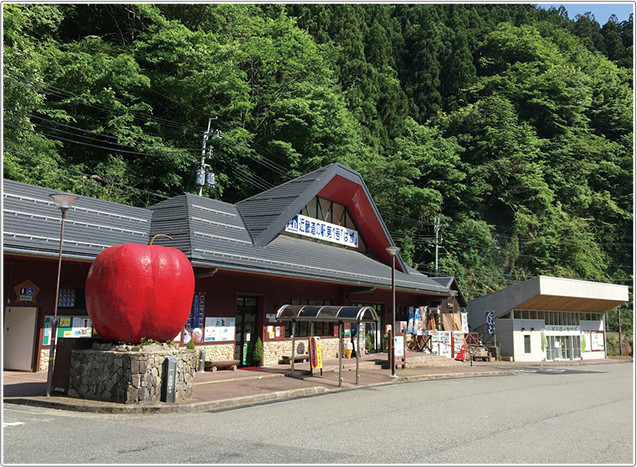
column 602, row 11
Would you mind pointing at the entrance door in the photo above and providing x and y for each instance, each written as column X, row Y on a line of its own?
column 246, row 334
column 19, row 338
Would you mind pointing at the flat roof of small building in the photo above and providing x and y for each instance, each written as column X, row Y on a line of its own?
column 549, row 294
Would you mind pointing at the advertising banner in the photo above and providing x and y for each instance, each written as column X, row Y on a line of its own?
column 310, row 227
column 316, row 357
column 490, row 322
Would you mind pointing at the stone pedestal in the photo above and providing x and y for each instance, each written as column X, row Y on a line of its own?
column 129, row 374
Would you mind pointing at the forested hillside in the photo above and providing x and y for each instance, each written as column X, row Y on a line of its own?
column 512, row 124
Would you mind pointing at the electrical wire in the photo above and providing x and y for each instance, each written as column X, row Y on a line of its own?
column 121, row 186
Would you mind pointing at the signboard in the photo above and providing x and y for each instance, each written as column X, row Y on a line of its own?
column 465, row 323
column 597, row 341
column 26, row 291
column 458, row 345
column 68, row 326
column 219, row 329
column 490, row 322
column 316, row 357
column 321, row 230
column 399, row 346
column 444, row 344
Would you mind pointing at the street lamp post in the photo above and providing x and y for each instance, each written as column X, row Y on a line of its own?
column 63, row 203
column 393, row 250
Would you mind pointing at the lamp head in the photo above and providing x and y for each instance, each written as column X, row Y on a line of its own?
column 63, row 202
column 392, row 250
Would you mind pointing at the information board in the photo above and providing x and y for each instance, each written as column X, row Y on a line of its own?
column 68, row 326
column 219, row 329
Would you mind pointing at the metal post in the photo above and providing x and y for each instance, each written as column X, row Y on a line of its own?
column 340, row 354
column 63, row 203
column 619, row 324
column 293, row 344
column 393, row 314
column 358, row 349
column 309, row 347
column 54, row 325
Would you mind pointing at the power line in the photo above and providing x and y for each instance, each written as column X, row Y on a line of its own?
column 120, row 186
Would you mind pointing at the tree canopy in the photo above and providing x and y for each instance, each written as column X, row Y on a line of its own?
column 513, row 124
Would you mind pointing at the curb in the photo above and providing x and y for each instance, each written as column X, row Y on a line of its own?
column 113, row 408
column 409, row 379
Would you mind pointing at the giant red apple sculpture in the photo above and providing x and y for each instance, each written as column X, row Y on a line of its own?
column 136, row 291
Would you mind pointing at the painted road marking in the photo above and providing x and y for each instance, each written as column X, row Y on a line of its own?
column 6, row 424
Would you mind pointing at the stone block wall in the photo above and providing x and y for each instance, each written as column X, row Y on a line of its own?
column 44, row 359
column 218, row 352
column 129, row 374
column 273, row 350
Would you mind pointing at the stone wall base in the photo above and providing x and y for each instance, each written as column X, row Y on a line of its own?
column 274, row 350
column 129, row 374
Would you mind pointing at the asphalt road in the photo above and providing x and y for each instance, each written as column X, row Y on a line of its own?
column 581, row 415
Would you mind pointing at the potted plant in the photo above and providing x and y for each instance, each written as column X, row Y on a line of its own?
column 257, row 354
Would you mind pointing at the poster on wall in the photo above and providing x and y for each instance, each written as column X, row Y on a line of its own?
column 219, row 329
column 597, row 341
column 444, row 343
column 586, row 341
column 458, row 344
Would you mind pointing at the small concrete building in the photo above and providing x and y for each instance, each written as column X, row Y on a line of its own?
column 547, row 318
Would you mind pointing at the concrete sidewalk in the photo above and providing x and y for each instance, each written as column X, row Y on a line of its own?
column 224, row 389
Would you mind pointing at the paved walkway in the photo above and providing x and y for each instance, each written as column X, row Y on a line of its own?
column 226, row 388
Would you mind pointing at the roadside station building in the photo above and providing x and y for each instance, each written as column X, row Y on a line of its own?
column 317, row 240
column 548, row 318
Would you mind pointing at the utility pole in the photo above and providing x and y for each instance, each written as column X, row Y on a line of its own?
column 201, row 173
column 437, row 244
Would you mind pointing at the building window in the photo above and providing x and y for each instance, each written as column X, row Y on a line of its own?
column 71, row 298
column 527, row 344
column 328, row 211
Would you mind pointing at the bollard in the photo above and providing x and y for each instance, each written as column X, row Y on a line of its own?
column 202, row 361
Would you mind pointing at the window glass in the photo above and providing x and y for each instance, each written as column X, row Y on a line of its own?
column 338, row 213
column 540, row 315
column 311, row 209
column 71, row 298
column 517, row 314
column 325, row 210
column 527, row 344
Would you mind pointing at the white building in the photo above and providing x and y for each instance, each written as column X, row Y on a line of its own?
column 548, row 318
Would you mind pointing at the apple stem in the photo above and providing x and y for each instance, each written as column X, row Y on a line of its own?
column 159, row 235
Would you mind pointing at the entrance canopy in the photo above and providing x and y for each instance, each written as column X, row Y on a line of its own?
column 330, row 314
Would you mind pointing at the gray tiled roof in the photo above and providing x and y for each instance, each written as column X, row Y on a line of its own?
column 31, row 223
column 213, row 234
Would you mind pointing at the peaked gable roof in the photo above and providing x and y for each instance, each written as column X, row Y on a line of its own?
column 266, row 214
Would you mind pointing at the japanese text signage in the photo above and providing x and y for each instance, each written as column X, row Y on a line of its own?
column 321, row 230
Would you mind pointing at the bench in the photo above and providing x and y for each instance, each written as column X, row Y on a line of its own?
column 222, row 365
column 297, row 358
